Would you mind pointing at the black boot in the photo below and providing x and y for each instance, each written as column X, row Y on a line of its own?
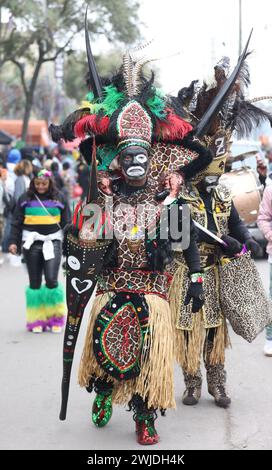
column 216, row 380
column 192, row 392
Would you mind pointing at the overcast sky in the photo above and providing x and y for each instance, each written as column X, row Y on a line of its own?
column 204, row 30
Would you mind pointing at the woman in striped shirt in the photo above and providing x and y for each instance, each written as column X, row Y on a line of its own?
column 39, row 217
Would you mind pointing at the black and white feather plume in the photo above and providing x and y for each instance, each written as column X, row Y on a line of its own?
column 246, row 117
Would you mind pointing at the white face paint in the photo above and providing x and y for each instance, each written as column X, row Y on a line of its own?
column 135, row 171
column 211, row 182
column 134, row 162
column 141, row 158
column 212, row 179
column 73, row 262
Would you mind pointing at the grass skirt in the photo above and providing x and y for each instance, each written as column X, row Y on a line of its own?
column 189, row 344
column 155, row 382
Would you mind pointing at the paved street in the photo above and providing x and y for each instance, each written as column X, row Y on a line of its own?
column 31, row 368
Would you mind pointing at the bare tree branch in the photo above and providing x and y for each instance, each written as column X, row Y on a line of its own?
column 65, row 5
column 59, row 51
column 16, row 52
column 22, row 74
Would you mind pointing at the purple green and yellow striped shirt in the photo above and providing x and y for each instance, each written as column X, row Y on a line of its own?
column 30, row 215
column 35, row 215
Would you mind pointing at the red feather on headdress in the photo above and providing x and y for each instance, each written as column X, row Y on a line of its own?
column 174, row 128
column 91, row 124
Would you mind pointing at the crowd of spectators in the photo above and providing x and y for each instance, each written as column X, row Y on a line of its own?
column 18, row 166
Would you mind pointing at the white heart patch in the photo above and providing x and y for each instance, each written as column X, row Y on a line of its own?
column 81, row 286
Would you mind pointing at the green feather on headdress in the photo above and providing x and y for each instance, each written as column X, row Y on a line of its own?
column 111, row 101
column 156, row 104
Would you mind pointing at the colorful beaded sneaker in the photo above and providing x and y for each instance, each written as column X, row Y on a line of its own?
column 37, row 329
column 102, row 409
column 56, row 329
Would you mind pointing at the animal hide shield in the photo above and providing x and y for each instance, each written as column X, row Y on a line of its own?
column 119, row 333
column 243, row 299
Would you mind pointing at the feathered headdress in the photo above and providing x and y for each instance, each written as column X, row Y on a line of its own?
column 100, row 115
column 221, row 109
column 234, row 112
column 126, row 109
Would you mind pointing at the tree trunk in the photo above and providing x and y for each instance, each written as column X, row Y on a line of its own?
column 29, row 99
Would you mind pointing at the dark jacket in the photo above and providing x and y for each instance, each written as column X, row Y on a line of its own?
column 30, row 215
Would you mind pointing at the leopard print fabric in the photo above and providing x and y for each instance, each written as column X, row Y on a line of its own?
column 209, row 256
column 129, row 256
column 169, row 158
column 136, row 281
column 243, row 298
column 211, row 311
column 193, row 381
column 139, row 210
column 221, row 206
column 216, row 376
column 215, row 373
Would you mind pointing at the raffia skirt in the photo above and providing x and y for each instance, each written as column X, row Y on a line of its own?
column 191, row 329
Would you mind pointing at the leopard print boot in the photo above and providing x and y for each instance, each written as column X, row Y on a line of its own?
column 192, row 392
column 216, row 380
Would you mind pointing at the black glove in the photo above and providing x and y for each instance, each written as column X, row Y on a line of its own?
column 253, row 246
column 160, row 196
column 233, row 246
column 196, row 293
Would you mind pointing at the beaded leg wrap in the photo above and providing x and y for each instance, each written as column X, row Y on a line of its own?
column 144, row 418
column 192, row 391
column 216, row 380
column 102, row 405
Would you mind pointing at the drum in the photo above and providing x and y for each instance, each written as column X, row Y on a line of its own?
column 247, row 192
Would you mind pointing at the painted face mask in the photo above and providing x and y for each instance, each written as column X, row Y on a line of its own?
column 211, row 182
column 134, row 163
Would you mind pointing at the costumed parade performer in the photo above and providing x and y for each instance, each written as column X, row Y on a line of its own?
column 225, row 237
column 39, row 217
column 128, row 353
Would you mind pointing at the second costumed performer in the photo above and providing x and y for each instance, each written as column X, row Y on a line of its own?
column 212, row 207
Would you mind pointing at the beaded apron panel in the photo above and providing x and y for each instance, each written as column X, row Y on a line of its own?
column 119, row 333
